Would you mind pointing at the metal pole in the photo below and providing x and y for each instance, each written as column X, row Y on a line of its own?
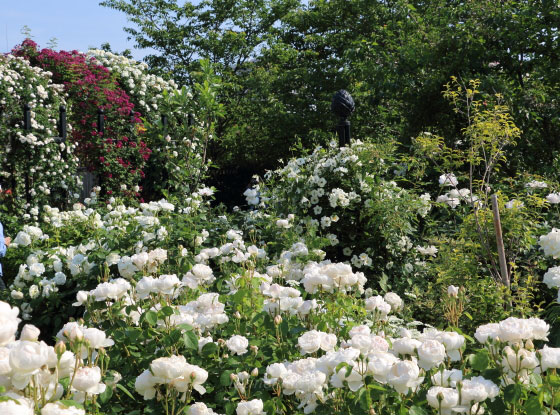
column 100, row 121
column 343, row 131
column 27, row 128
column 62, row 132
column 500, row 241
column 27, row 118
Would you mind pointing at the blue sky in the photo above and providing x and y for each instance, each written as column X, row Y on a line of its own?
column 77, row 24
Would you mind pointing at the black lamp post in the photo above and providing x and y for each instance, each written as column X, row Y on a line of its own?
column 343, row 105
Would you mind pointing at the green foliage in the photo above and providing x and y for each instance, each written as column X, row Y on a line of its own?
column 282, row 60
column 362, row 215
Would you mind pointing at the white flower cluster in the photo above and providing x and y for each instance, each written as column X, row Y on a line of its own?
column 171, row 372
column 513, row 330
column 286, row 300
column 252, row 196
column 51, row 164
column 28, row 235
column 331, row 277
column 457, row 395
column 512, row 341
column 448, row 179
column 326, row 189
column 397, row 362
column 136, row 80
column 455, row 196
column 106, row 291
column 205, row 313
column 553, row 198
column 200, row 408
column 48, row 267
column 536, row 184
column 149, row 261
column 364, row 354
column 550, row 243
column 32, row 372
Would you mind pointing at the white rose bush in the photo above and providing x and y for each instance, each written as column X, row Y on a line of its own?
column 49, row 165
column 334, row 191
column 308, row 302
column 178, row 314
column 37, row 378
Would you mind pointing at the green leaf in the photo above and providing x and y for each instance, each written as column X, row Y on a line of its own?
column 125, row 391
column 365, row 399
column 167, row 311
column 416, row 410
column 553, row 380
column 185, row 326
column 151, row 317
column 209, row 349
column 225, row 379
column 533, row 406
column 191, row 340
column 512, row 393
column 492, row 374
column 480, row 360
column 106, row 395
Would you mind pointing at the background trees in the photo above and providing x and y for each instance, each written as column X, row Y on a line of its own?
column 281, row 60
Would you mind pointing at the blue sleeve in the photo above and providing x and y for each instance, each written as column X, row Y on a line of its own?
column 2, row 244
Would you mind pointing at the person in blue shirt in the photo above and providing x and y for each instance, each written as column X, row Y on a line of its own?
column 4, row 243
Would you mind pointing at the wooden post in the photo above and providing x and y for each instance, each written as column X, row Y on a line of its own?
column 500, row 241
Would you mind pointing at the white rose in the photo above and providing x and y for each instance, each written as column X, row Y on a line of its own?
column 71, row 331
column 393, row 300
column 16, row 295
column 380, row 364
column 59, row 278
column 453, row 342
column 88, row 380
column 354, row 380
column 26, row 358
column 145, row 383
column 34, row 291
column 447, row 378
column 97, row 338
column 58, row 408
column 452, row 291
column 193, row 376
column 254, row 407
column 431, row 353
column 168, row 368
column 404, row 375
column 30, row 333
column 167, row 284
column 516, row 361
column 237, row 344
column 406, row 345
column 81, row 298
column 514, row 329
column 200, row 409
column 8, row 323
column 379, row 305
column 274, row 373
column 310, row 341
column 444, row 398
column 22, row 239
column 550, row 358
column 487, row 331
column 540, row 328
column 15, row 408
